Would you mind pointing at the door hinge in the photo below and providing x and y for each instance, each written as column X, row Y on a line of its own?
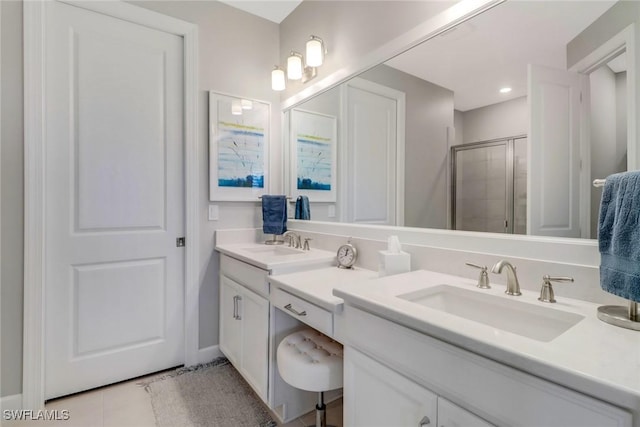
column 580, row 97
column 180, row 242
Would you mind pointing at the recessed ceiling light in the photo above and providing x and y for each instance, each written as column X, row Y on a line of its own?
column 505, row 90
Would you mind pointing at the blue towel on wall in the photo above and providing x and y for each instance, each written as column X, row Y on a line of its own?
column 302, row 208
column 274, row 214
column 619, row 235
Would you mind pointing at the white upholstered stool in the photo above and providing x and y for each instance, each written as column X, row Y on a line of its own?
column 311, row 361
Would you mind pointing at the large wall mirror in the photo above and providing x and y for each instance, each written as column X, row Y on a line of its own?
column 500, row 125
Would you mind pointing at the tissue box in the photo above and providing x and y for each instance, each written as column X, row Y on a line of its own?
column 393, row 263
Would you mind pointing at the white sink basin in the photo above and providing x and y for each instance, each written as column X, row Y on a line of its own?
column 274, row 251
column 507, row 314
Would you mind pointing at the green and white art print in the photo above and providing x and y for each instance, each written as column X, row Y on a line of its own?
column 238, row 148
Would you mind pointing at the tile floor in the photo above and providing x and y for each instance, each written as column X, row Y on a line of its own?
column 127, row 404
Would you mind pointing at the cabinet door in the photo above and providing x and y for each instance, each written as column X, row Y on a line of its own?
column 450, row 415
column 374, row 395
column 254, row 311
column 230, row 322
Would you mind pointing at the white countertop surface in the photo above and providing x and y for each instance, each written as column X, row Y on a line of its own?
column 592, row 357
column 316, row 286
column 250, row 253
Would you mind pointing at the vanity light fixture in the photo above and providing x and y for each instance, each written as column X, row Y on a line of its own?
column 315, row 51
column 505, row 90
column 277, row 79
column 246, row 104
column 299, row 67
column 294, row 66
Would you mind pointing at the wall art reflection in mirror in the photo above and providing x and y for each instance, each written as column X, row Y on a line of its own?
column 313, row 156
column 239, row 133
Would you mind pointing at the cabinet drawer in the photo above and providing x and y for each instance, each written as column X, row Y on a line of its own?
column 247, row 275
column 314, row 316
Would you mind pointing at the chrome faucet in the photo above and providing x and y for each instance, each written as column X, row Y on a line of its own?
column 513, row 287
column 294, row 239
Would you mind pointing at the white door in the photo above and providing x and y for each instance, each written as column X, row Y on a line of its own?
column 114, row 200
column 450, row 415
column 554, row 153
column 371, row 169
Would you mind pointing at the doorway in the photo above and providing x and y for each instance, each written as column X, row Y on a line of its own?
column 37, row 197
column 489, row 186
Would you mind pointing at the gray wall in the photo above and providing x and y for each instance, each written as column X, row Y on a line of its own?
column 505, row 119
column 350, row 29
column 237, row 52
column 429, row 112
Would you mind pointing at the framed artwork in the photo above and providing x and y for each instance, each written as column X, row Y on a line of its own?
column 313, row 155
column 239, row 134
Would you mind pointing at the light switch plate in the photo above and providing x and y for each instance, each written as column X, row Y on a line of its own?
column 331, row 211
column 214, row 213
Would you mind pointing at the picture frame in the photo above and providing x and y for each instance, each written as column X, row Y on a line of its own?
column 239, row 139
column 313, row 155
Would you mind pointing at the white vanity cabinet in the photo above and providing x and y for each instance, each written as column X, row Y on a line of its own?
column 394, row 371
column 244, row 321
column 375, row 395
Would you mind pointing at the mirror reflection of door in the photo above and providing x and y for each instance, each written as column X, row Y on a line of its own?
column 489, row 190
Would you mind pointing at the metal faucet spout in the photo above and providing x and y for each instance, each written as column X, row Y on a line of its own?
column 513, row 286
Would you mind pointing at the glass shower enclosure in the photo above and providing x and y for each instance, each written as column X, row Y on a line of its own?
column 489, row 186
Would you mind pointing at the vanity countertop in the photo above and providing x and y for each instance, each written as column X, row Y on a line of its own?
column 592, row 357
column 316, row 286
column 277, row 257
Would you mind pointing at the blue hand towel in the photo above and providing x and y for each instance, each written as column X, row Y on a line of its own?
column 619, row 235
column 302, row 208
column 274, row 214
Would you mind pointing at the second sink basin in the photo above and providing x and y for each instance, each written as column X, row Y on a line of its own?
column 274, row 251
column 528, row 320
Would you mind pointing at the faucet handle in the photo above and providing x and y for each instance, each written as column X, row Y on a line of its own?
column 306, row 244
column 546, row 293
column 483, row 280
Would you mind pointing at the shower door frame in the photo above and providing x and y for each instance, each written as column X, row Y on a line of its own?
column 508, row 142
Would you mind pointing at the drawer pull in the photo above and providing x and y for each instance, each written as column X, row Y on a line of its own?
column 235, row 307
column 424, row 421
column 293, row 310
column 239, row 298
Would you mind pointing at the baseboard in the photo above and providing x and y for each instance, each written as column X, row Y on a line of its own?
column 207, row 354
column 12, row 403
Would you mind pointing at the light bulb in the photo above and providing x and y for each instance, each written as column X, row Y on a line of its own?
column 277, row 79
column 294, row 66
column 315, row 52
column 505, row 90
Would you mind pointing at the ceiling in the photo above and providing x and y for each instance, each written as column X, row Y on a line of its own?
column 492, row 50
column 274, row 11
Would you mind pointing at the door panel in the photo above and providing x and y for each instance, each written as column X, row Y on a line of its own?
column 554, row 184
column 114, row 200
column 371, row 153
column 230, row 325
column 255, row 340
column 119, row 193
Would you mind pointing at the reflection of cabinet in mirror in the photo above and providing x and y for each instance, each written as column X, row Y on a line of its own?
column 489, row 186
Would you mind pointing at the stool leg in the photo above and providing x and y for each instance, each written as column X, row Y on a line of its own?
column 321, row 411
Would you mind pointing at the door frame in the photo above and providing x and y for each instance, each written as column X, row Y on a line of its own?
column 624, row 41
column 35, row 185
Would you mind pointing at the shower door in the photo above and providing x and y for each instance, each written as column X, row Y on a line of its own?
column 489, row 186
